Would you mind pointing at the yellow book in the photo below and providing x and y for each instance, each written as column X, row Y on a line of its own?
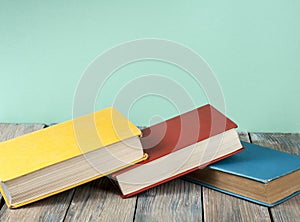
column 60, row 157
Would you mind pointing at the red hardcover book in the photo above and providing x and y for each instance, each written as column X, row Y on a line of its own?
column 179, row 146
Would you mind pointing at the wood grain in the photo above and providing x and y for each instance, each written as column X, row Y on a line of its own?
column 218, row 206
column 289, row 210
column 10, row 130
column 176, row 200
column 50, row 209
column 223, row 207
column 244, row 136
column 100, row 201
column 287, row 142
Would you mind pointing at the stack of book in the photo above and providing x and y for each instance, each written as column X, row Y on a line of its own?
column 201, row 146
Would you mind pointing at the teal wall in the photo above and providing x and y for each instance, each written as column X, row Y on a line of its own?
column 253, row 48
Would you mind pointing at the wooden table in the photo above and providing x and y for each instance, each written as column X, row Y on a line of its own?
column 174, row 201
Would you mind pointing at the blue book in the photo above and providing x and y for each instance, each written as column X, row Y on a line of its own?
column 258, row 174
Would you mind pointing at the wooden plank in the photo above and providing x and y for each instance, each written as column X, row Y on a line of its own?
column 222, row 207
column 287, row 142
column 244, row 136
column 100, row 201
column 9, row 131
column 50, row 209
column 218, row 206
column 289, row 210
column 176, row 200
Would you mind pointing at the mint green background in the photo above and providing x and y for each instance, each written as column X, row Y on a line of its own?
column 253, row 48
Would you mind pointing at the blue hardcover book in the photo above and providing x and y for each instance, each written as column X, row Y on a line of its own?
column 258, row 174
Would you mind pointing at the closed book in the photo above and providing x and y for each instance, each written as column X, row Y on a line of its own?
column 258, row 174
column 178, row 146
column 57, row 158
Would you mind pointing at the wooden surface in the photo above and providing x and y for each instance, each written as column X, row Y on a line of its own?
column 100, row 201
column 176, row 200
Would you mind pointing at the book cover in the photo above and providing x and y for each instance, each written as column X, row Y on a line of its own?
column 182, row 131
column 260, row 164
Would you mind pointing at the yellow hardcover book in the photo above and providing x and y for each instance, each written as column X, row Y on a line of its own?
column 60, row 157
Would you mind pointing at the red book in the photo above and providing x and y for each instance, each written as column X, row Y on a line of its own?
column 179, row 146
